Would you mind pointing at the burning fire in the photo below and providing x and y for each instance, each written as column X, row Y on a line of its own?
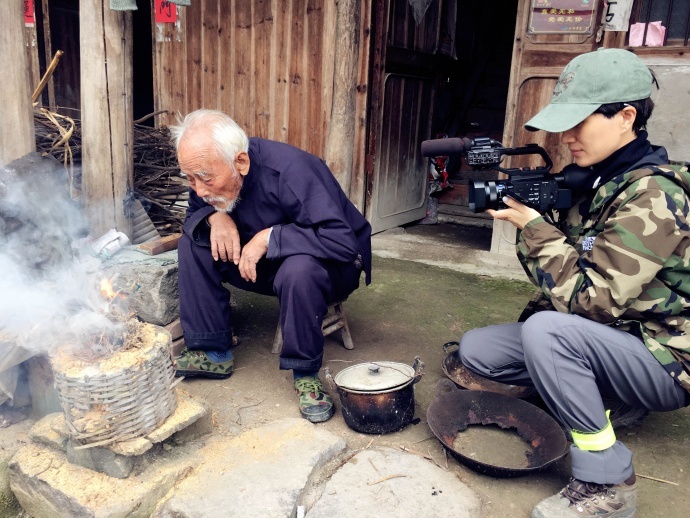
column 107, row 289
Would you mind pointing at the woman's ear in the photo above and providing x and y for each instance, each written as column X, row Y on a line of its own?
column 628, row 113
column 242, row 163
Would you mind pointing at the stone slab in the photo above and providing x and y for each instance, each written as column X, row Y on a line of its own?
column 46, row 431
column 261, row 473
column 48, row 486
column 416, row 487
column 149, row 282
column 188, row 411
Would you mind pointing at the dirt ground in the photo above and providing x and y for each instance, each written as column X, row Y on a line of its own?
column 409, row 310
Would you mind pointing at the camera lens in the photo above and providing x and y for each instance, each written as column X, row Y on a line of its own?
column 485, row 195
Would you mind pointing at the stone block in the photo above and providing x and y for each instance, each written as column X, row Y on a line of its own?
column 394, row 483
column 44, row 395
column 44, row 432
column 188, row 411
column 48, row 486
column 100, row 459
column 148, row 282
column 261, row 473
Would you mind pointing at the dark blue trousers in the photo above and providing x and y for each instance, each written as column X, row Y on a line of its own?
column 303, row 284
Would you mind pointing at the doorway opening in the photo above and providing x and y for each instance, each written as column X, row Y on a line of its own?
column 471, row 96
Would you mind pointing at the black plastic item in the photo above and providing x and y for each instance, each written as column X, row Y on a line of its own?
column 464, row 378
column 454, row 410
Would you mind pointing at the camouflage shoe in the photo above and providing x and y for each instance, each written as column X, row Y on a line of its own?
column 197, row 363
column 315, row 404
column 586, row 499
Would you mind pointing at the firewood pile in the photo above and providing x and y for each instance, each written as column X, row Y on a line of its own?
column 157, row 181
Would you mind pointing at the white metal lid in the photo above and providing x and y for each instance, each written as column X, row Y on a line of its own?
column 374, row 376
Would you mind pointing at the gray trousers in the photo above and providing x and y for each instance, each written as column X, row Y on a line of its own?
column 573, row 362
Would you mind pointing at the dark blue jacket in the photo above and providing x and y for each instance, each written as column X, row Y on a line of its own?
column 295, row 193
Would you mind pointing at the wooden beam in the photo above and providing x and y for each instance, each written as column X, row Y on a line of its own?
column 341, row 129
column 106, row 104
column 17, row 139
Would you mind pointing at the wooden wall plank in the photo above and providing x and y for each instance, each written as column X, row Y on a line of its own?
column 262, row 24
column 170, row 75
column 193, row 49
column 280, row 53
column 209, row 55
column 106, row 100
column 358, row 181
column 15, row 94
column 243, row 112
column 314, row 64
column 226, row 28
column 297, row 78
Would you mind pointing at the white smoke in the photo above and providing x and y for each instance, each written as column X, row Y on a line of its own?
column 49, row 294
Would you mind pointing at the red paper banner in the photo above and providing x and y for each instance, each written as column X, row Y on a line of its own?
column 29, row 18
column 166, row 12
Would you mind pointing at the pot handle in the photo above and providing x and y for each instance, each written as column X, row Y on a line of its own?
column 418, row 366
column 329, row 378
column 448, row 345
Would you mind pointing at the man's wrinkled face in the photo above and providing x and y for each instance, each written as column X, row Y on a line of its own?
column 211, row 177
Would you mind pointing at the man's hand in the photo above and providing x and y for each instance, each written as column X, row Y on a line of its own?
column 516, row 213
column 252, row 253
column 225, row 239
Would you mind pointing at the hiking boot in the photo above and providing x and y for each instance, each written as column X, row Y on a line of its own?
column 197, row 363
column 315, row 404
column 623, row 415
column 587, row 499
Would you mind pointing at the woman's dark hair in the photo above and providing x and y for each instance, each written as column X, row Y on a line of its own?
column 644, row 109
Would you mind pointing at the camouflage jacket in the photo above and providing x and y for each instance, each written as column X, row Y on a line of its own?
column 625, row 263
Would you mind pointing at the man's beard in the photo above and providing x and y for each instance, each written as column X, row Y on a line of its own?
column 221, row 203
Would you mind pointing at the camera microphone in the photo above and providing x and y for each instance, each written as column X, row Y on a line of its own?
column 446, row 146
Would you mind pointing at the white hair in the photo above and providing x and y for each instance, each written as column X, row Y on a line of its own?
column 227, row 136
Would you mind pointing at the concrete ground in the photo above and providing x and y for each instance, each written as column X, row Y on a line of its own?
column 430, row 284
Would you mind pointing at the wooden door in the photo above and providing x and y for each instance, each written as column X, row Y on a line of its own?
column 401, row 112
column 538, row 60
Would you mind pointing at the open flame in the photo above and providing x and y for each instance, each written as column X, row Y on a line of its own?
column 107, row 289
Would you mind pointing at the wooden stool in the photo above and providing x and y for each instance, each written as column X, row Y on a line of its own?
column 331, row 323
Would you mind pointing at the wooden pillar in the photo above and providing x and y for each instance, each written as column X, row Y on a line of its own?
column 17, row 137
column 341, row 133
column 106, row 114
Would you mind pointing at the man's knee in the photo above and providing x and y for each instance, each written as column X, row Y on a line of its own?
column 549, row 331
column 301, row 271
column 472, row 351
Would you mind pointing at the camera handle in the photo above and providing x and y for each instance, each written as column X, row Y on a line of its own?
column 529, row 149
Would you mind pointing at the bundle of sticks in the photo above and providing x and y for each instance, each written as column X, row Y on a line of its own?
column 157, row 181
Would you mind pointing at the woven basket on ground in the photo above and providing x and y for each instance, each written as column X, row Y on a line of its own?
column 124, row 396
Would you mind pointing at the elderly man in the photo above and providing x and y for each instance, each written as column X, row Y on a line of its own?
column 268, row 218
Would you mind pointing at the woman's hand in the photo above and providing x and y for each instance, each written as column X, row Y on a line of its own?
column 516, row 213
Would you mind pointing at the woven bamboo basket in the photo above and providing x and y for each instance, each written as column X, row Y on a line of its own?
column 118, row 398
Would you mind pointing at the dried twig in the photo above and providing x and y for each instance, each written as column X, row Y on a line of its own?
column 385, row 478
column 658, row 479
column 427, row 457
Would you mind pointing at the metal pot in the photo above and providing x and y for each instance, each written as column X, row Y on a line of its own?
column 454, row 410
column 377, row 397
column 464, row 378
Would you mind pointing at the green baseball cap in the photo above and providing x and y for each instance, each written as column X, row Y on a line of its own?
column 590, row 80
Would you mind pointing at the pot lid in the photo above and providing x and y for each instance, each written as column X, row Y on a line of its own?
column 374, row 376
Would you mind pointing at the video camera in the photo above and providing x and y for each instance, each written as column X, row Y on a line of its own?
column 535, row 187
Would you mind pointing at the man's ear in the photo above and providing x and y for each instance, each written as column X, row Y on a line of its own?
column 242, row 163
